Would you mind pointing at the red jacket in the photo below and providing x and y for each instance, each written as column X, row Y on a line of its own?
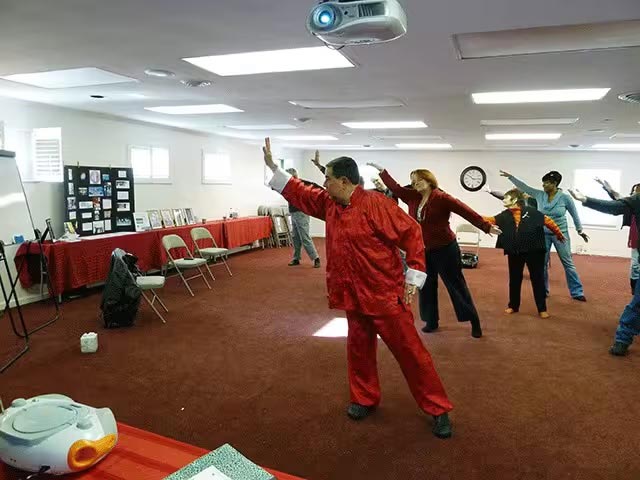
column 364, row 270
column 436, row 231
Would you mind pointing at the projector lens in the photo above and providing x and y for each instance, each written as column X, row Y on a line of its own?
column 325, row 17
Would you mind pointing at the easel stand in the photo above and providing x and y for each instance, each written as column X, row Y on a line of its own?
column 14, row 295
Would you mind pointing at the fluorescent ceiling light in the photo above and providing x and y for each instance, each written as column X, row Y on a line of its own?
column 379, row 102
column 75, row 77
column 625, row 135
column 194, row 109
column 522, row 136
column 529, row 121
column 306, row 137
column 540, row 96
column 289, row 60
column 423, row 146
column 275, row 126
column 616, row 146
column 408, row 137
column 384, row 125
column 563, row 38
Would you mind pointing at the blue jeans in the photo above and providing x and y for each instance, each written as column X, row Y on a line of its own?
column 629, row 325
column 301, row 237
column 634, row 274
column 564, row 252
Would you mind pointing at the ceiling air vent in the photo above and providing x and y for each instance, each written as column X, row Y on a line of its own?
column 633, row 97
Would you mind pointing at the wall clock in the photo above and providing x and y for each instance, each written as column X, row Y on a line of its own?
column 473, row 178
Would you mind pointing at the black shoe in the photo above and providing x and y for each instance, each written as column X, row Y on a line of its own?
column 442, row 426
column 358, row 412
column 580, row 298
column 476, row 331
column 633, row 282
column 316, row 263
column 293, row 263
column 619, row 349
column 429, row 328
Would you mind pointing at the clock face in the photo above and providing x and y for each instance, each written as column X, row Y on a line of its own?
column 473, row 178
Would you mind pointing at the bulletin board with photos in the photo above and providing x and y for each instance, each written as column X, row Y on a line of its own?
column 99, row 199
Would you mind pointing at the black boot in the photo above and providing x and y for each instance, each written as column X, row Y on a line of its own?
column 358, row 412
column 619, row 349
column 476, row 329
column 633, row 282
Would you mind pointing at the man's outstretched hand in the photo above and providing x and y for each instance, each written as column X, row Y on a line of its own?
column 268, row 158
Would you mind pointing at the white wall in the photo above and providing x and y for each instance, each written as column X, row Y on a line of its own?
column 528, row 166
column 90, row 139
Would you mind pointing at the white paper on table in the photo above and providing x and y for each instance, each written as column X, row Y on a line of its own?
column 211, row 473
column 123, row 195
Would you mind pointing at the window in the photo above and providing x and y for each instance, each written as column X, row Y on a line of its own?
column 38, row 153
column 584, row 181
column 150, row 164
column 216, row 168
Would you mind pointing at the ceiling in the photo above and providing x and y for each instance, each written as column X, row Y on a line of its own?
column 421, row 69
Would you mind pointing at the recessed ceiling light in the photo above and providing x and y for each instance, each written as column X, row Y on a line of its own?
column 75, row 77
column 288, row 60
column 194, row 109
column 385, row 125
column 408, row 137
column 596, row 130
column 616, row 146
column 320, row 147
column 374, row 103
column 275, row 126
column 530, row 121
column 535, row 96
column 522, row 136
column 424, row 146
column 306, row 137
column 156, row 72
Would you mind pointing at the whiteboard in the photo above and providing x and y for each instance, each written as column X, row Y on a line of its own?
column 15, row 217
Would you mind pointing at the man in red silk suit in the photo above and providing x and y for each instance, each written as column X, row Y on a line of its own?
column 364, row 277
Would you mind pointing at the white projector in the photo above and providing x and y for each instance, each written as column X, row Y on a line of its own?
column 357, row 22
column 53, row 433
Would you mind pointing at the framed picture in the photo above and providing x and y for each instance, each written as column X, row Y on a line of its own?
column 155, row 219
column 122, row 185
column 177, row 215
column 167, row 218
column 142, row 221
column 94, row 177
column 190, row 218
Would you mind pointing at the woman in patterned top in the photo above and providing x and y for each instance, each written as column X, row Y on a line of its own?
column 523, row 241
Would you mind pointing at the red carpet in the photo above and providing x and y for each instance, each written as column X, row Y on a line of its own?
column 534, row 399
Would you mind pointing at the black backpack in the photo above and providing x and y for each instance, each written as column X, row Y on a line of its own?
column 121, row 295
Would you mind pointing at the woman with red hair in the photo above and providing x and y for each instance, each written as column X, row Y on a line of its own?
column 432, row 207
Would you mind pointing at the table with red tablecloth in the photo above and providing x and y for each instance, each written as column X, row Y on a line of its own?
column 85, row 262
column 244, row 231
column 140, row 455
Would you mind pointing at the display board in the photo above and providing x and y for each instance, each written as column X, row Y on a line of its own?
column 99, row 199
column 16, row 223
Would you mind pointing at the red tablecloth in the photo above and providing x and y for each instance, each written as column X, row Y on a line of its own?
column 243, row 231
column 76, row 264
column 140, row 455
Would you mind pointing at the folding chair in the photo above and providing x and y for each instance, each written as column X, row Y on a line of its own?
column 468, row 236
column 150, row 284
column 189, row 261
column 214, row 252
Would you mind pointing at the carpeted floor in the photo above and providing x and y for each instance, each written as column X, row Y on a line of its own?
column 534, row 399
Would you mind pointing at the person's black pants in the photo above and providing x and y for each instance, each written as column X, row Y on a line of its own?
column 535, row 264
column 446, row 263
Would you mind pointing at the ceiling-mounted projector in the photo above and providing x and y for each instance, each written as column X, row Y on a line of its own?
column 357, row 22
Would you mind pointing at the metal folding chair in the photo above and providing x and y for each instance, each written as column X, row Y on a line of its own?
column 169, row 242
column 150, row 284
column 214, row 252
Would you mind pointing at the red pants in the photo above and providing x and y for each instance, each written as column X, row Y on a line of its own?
column 400, row 335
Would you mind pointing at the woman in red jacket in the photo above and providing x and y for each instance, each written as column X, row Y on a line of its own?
column 432, row 207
